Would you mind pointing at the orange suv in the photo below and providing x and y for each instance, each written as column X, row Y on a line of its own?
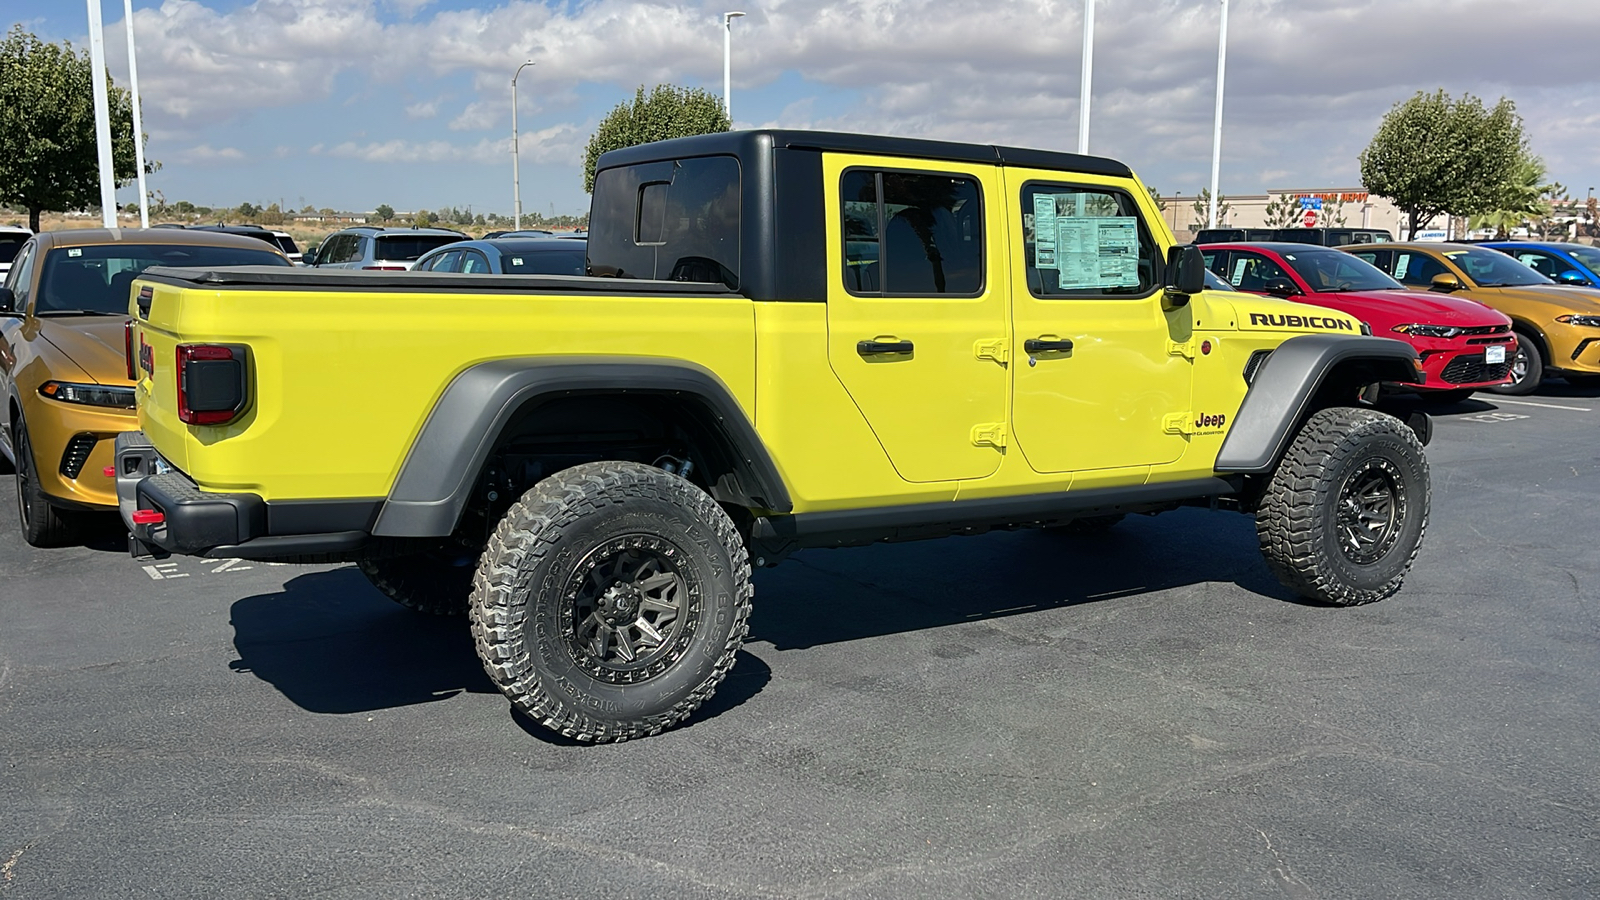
column 64, row 364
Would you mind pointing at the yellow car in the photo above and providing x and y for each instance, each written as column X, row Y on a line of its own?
column 64, row 366
column 1557, row 325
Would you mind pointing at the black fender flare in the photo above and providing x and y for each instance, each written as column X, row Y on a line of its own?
column 1286, row 383
column 442, row 466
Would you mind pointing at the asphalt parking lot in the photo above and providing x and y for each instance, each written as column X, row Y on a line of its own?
column 1013, row 715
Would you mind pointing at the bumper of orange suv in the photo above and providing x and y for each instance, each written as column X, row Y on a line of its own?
column 1469, row 361
column 1574, row 347
column 72, row 447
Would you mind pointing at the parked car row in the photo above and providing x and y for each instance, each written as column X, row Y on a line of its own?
column 1498, row 316
column 376, row 248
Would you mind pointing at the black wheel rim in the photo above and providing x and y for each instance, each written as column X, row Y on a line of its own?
column 628, row 611
column 24, row 454
column 1519, row 364
column 1372, row 509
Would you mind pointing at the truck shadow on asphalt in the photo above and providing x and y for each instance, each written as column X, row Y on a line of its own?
column 330, row 643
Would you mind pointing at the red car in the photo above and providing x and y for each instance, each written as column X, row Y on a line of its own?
column 1464, row 345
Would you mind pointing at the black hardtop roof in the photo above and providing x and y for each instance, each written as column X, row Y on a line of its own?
column 748, row 143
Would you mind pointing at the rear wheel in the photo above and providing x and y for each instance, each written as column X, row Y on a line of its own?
column 430, row 581
column 1344, row 513
column 1527, row 369
column 611, row 601
column 43, row 525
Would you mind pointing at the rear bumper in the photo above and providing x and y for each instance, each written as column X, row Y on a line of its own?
column 227, row 525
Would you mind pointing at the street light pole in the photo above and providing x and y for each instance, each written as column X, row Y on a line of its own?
column 138, row 127
column 1216, row 131
column 102, row 115
column 516, row 168
column 727, row 62
column 1088, row 73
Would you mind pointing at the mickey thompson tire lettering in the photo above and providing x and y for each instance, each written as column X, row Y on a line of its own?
column 1346, row 508
column 611, row 601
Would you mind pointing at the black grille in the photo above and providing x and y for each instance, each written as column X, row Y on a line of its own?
column 1487, row 329
column 1471, row 369
column 1254, row 365
column 78, row 450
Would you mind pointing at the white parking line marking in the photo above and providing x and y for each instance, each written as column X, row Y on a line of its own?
column 230, row 565
column 161, row 571
column 1542, row 405
column 1494, row 417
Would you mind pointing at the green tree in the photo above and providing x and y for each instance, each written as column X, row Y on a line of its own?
column 385, row 211
column 422, row 218
column 666, row 112
column 1202, row 201
column 1282, row 212
column 184, row 208
column 248, row 210
column 1433, row 154
column 1521, row 198
column 48, row 155
column 1160, row 201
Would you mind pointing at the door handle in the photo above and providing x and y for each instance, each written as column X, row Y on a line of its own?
column 872, row 348
column 1040, row 345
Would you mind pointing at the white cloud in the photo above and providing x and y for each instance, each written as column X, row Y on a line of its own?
column 1307, row 81
column 205, row 153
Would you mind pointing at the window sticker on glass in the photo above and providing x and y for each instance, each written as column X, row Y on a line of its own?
column 1400, row 264
column 1044, row 231
column 1098, row 251
column 1238, row 270
column 74, row 251
column 516, row 260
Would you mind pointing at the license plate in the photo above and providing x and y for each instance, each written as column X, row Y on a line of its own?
column 1492, row 355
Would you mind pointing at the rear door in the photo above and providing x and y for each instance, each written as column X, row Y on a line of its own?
column 1099, row 365
column 918, row 284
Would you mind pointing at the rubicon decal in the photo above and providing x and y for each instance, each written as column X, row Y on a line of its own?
column 1330, row 324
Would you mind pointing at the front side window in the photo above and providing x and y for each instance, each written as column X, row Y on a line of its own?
column 1255, row 273
column 1416, row 269
column 20, row 276
column 1081, row 242
column 1589, row 256
column 95, row 280
column 474, row 263
column 1543, row 263
column 671, row 221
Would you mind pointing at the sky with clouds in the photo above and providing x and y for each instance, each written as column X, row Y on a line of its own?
column 352, row 103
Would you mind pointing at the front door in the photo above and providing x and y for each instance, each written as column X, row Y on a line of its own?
column 1103, row 374
column 917, row 292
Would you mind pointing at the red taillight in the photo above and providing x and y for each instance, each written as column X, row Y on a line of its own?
column 148, row 517
column 127, row 350
column 211, row 388
column 383, row 268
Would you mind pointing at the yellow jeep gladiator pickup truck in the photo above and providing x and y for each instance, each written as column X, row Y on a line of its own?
column 785, row 340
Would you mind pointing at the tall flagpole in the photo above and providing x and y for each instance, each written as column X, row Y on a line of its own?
column 1216, row 131
column 102, row 115
column 138, row 125
column 1088, row 72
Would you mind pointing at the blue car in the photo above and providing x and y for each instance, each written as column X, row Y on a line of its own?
column 1576, row 264
column 508, row 256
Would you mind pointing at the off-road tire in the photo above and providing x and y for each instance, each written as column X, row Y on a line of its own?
column 575, row 535
column 42, row 525
column 1528, row 356
column 423, row 581
column 1089, row 526
column 1304, row 520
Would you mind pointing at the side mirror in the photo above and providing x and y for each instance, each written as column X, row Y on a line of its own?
column 1280, row 287
column 7, row 301
column 1572, row 276
column 1445, row 283
column 1185, row 275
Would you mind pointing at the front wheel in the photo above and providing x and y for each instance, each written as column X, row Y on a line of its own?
column 43, row 525
column 1527, row 369
column 611, row 601
column 1344, row 513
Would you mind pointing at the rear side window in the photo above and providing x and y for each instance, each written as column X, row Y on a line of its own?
column 10, row 244
column 544, row 262
column 911, row 234
column 407, row 247
column 1085, row 242
column 672, row 221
